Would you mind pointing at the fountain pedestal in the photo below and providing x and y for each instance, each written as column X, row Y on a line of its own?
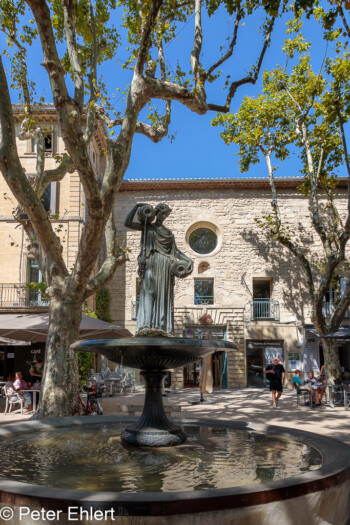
column 154, row 356
column 153, row 429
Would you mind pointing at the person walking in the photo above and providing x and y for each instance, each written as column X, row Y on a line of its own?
column 275, row 373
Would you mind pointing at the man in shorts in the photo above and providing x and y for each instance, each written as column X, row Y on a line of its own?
column 275, row 373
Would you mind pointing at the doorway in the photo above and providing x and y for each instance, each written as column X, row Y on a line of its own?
column 255, row 367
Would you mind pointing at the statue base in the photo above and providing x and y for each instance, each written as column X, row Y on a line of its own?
column 153, row 332
column 153, row 429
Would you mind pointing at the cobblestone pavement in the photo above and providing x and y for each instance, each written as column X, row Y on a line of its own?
column 249, row 405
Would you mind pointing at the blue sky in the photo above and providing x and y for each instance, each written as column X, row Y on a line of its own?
column 198, row 151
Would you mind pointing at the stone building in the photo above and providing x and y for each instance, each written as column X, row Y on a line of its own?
column 64, row 201
column 244, row 288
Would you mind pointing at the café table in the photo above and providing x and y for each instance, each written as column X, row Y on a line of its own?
column 35, row 391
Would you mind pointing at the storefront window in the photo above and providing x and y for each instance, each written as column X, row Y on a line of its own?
column 259, row 355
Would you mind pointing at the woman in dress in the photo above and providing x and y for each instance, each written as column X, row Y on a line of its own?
column 158, row 263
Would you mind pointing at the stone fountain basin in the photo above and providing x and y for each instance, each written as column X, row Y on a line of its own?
column 319, row 496
column 153, row 353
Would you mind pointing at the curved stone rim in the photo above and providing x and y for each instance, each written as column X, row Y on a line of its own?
column 153, row 353
column 334, row 471
column 158, row 342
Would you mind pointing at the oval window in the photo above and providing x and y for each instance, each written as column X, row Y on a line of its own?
column 203, row 240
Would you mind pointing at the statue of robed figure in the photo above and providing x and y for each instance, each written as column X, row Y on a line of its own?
column 159, row 262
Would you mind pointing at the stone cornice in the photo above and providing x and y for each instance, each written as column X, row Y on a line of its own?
column 213, row 184
column 47, row 114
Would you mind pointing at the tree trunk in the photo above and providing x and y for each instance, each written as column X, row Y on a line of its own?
column 60, row 386
column 331, row 359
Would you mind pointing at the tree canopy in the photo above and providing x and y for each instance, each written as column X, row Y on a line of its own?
column 304, row 113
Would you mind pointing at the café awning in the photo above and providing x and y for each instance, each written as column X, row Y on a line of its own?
column 342, row 333
column 4, row 341
column 33, row 327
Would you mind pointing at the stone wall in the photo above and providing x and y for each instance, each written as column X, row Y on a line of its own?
column 70, row 206
column 243, row 253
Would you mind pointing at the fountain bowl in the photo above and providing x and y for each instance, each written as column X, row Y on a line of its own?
column 316, row 496
column 153, row 353
column 154, row 356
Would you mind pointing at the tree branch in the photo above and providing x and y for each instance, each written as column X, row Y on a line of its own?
column 90, row 120
column 170, row 91
column 145, row 40
column 342, row 16
column 278, row 234
column 40, row 155
column 313, row 200
column 251, row 79
column 68, row 115
column 197, row 45
column 228, row 53
column 156, row 134
column 116, row 256
column 176, row 7
column 68, row 7
column 14, row 175
column 54, row 175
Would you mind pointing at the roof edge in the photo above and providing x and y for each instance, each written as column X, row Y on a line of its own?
column 219, row 183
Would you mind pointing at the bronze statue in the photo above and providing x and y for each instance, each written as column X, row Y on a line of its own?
column 158, row 263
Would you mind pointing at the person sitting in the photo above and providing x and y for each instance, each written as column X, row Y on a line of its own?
column 297, row 382
column 315, row 387
column 10, row 380
column 20, row 386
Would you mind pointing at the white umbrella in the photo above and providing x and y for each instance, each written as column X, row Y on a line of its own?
column 206, row 377
column 33, row 327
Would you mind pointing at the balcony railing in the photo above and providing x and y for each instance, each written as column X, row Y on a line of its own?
column 328, row 309
column 13, row 295
column 265, row 309
column 203, row 299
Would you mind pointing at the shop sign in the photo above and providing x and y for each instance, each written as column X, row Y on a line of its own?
column 205, row 332
column 293, row 361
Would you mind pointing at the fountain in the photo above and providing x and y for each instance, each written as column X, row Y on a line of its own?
column 84, row 469
column 154, row 349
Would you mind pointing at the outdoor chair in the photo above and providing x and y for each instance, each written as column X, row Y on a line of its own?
column 346, row 392
column 304, row 395
column 12, row 398
column 117, row 385
column 128, row 383
column 336, row 394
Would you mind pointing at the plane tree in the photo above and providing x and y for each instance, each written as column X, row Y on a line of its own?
column 78, row 38
column 302, row 113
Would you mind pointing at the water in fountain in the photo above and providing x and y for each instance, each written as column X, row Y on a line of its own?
column 212, row 457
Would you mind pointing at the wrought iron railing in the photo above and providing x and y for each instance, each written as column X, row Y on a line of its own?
column 203, row 299
column 13, row 295
column 264, row 309
column 328, row 309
